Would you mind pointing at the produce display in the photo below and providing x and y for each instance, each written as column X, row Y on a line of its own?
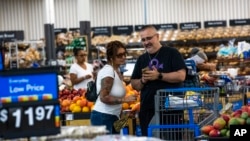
column 72, row 100
column 221, row 125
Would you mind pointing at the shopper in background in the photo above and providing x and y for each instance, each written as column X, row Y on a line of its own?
column 110, row 87
column 201, row 59
column 80, row 72
column 61, row 43
column 202, row 69
column 166, row 69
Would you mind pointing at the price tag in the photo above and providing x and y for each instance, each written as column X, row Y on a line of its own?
column 29, row 120
column 69, row 116
column 30, row 105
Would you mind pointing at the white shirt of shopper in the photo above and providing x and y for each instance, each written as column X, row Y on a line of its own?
column 118, row 90
column 80, row 72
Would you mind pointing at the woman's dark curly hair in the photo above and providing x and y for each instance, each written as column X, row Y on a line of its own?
column 112, row 48
column 76, row 50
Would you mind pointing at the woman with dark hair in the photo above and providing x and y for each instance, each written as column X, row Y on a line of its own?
column 110, row 87
column 80, row 72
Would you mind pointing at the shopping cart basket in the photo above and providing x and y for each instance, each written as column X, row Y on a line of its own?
column 179, row 113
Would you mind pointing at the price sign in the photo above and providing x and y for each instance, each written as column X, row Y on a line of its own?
column 29, row 103
column 31, row 120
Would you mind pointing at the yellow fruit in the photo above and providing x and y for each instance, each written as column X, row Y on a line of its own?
column 71, row 107
column 85, row 109
column 76, row 109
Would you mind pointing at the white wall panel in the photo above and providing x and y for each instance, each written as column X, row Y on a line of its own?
column 176, row 11
column 28, row 15
column 12, row 15
column 66, row 14
column 116, row 12
column 35, row 20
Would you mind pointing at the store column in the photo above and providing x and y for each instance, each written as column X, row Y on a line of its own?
column 49, row 32
column 84, row 19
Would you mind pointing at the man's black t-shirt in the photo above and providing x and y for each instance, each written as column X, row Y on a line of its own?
column 166, row 60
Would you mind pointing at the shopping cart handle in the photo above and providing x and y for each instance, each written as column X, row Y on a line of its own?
column 187, row 89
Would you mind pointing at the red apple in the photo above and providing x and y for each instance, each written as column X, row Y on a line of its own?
column 225, row 117
column 244, row 108
column 214, row 133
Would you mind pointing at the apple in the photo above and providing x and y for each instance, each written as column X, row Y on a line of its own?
column 66, row 92
column 74, row 91
column 244, row 108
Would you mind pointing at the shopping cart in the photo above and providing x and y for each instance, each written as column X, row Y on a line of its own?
column 234, row 93
column 192, row 77
column 179, row 113
column 246, row 93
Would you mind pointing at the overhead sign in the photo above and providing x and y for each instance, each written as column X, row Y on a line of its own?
column 173, row 26
column 105, row 31
column 74, row 29
column 208, row 24
column 123, row 30
column 239, row 22
column 60, row 30
column 190, row 26
column 11, row 35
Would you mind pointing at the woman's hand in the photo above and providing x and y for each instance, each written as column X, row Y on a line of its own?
column 130, row 98
column 88, row 76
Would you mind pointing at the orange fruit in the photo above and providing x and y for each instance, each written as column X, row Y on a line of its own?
column 130, row 92
column 81, row 102
column 85, row 109
column 131, row 105
column 136, row 92
column 90, row 104
column 125, row 106
column 65, row 102
column 76, row 98
column 127, row 89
